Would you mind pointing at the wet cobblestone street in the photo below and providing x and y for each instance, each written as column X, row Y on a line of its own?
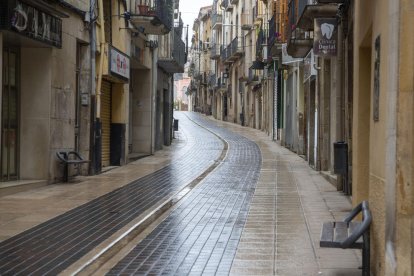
column 222, row 200
column 201, row 236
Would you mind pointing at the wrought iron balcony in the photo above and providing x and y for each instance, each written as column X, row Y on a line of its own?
column 175, row 62
column 227, row 5
column 214, row 52
column 212, row 80
column 259, row 44
column 253, row 77
column 298, row 44
column 216, row 20
column 277, row 28
column 237, row 48
column 220, row 83
column 152, row 16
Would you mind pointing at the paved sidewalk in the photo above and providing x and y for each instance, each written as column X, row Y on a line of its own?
column 290, row 204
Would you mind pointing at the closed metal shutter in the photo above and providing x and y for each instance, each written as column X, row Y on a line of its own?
column 106, row 122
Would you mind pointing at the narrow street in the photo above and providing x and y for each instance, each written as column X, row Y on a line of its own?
column 241, row 204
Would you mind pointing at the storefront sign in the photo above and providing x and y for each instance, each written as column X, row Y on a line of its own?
column 309, row 66
column 119, row 63
column 325, row 37
column 34, row 23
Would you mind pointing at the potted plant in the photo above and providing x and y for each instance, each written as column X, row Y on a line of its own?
column 143, row 7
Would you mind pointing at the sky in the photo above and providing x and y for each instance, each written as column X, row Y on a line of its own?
column 189, row 11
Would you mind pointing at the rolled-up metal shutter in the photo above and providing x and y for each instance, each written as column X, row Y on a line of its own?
column 106, row 122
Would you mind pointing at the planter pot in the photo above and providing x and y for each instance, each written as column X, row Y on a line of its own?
column 143, row 9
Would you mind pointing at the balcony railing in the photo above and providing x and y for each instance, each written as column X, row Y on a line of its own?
column 246, row 21
column 253, row 77
column 259, row 44
column 227, row 5
column 212, row 80
column 298, row 43
column 214, row 52
column 216, row 20
column 175, row 62
column 237, row 48
column 154, row 16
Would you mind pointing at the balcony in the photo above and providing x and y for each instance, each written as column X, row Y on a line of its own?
column 221, row 84
column 225, row 54
column 152, row 16
column 237, row 49
column 246, row 22
column 215, row 52
column 234, row 2
column 300, row 25
column 260, row 42
column 175, row 62
column 253, row 77
column 212, row 80
column 277, row 31
column 226, row 5
column 216, row 21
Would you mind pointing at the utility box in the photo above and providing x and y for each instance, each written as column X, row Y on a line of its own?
column 340, row 158
column 175, row 125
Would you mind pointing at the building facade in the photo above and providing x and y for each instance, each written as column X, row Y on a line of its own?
column 95, row 77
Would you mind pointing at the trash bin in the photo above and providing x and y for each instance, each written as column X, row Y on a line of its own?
column 175, row 125
column 340, row 158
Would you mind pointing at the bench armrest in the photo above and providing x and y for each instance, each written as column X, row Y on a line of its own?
column 364, row 226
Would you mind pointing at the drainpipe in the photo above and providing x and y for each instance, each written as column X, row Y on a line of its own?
column 391, row 134
column 101, row 58
column 154, row 96
column 92, row 34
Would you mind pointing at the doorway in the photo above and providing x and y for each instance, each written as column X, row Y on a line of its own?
column 10, row 119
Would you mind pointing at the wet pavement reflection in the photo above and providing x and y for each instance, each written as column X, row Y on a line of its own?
column 54, row 245
column 202, row 234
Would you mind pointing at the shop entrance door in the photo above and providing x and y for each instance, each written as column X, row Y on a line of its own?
column 10, row 120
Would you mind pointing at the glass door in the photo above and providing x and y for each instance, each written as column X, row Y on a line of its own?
column 9, row 122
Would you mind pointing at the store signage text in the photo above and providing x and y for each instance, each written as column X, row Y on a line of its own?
column 36, row 24
column 325, row 37
column 120, row 64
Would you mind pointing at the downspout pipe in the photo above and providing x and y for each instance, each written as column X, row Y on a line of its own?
column 92, row 34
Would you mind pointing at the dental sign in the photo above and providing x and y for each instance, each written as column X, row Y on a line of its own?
column 36, row 24
column 325, row 38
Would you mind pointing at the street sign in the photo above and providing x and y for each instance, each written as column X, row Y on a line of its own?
column 325, row 37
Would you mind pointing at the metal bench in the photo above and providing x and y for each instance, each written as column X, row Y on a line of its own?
column 67, row 158
column 350, row 234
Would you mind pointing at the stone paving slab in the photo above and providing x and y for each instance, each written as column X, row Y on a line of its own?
column 296, row 200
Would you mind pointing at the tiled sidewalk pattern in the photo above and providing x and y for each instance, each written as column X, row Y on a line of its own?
column 202, row 234
column 290, row 203
column 52, row 246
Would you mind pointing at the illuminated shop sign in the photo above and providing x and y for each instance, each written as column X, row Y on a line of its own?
column 36, row 24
